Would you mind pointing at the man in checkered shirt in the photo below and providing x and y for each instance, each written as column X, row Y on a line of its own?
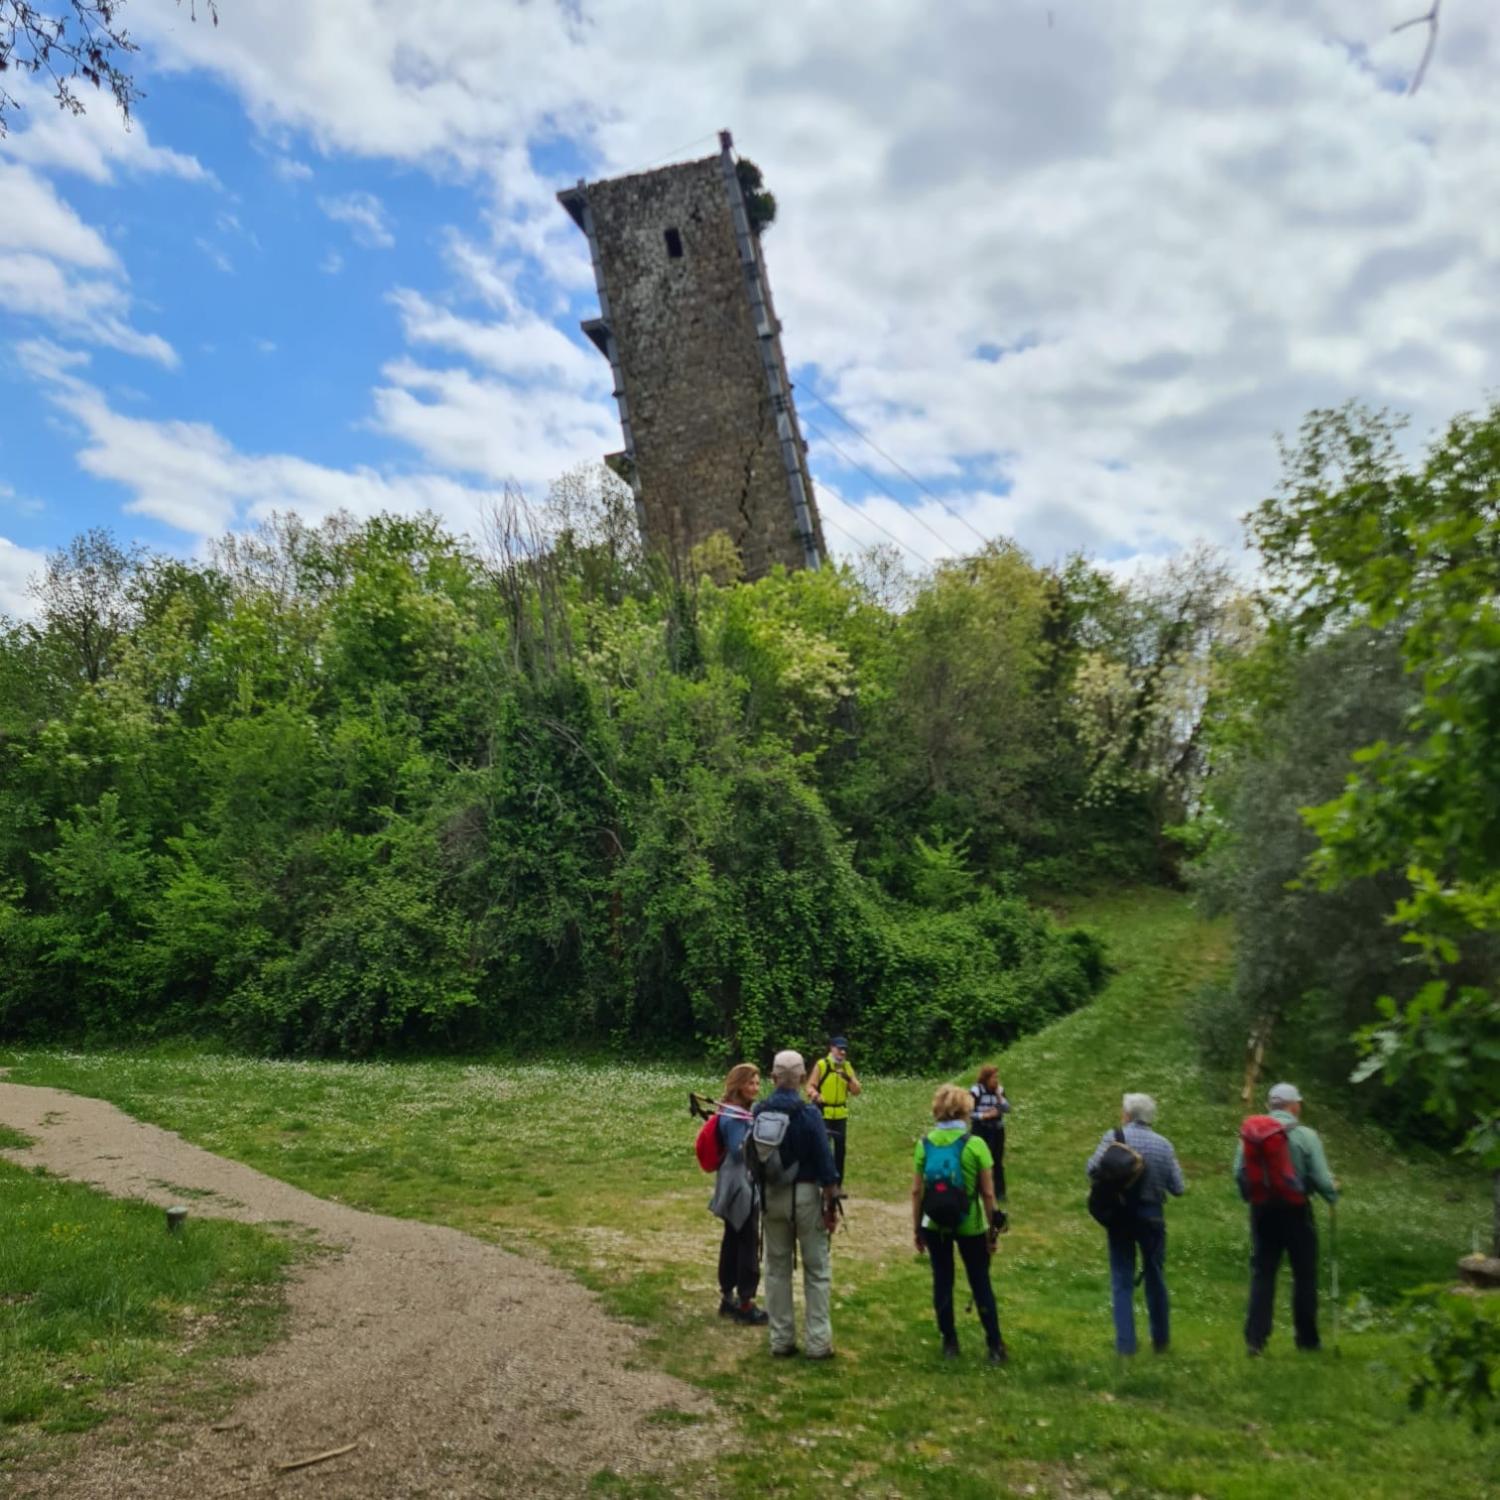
column 1145, row 1225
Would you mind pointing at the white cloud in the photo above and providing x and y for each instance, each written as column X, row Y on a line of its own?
column 365, row 215
column 215, row 255
column 1185, row 223
column 11, row 499
column 90, row 308
column 505, row 433
column 289, row 169
column 36, row 220
column 93, row 144
column 59, row 270
column 190, row 477
column 525, row 347
column 332, row 263
column 18, row 565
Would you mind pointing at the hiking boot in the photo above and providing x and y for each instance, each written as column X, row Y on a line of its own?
column 821, row 1354
column 1255, row 1350
column 727, row 1307
column 748, row 1312
column 786, row 1353
column 998, row 1354
column 950, row 1348
column 1160, row 1348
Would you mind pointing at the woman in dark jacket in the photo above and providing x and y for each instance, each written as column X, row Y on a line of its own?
column 990, row 1109
column 736, row 1201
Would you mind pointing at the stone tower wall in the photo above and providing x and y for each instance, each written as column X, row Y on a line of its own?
column 681, row 335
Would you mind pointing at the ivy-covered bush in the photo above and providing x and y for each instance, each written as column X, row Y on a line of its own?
column 356, row 788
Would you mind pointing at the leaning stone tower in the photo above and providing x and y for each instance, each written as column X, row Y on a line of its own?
column 687, row 324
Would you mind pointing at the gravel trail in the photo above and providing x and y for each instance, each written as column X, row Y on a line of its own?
column 457, row 1368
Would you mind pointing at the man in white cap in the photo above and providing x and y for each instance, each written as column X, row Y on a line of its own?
column 1281, row 1215
column 800, row 1213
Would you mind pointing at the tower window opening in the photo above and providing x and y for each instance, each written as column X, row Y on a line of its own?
column 674, row 244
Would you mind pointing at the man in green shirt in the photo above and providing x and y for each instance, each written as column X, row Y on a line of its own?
column 1280, row 1226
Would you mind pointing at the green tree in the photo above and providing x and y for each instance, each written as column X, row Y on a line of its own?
column 1282, row 733
column 1359, row 535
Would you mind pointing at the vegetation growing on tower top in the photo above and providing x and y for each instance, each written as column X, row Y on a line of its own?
column 760, row 204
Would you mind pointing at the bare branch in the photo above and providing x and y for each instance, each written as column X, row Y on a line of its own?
column 81, row 39
column 1430, row 21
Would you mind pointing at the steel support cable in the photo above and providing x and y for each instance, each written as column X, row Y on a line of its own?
column 859, row 545
column 859, row 432
column 850, row 505
column 859, row 468
column 712, row 135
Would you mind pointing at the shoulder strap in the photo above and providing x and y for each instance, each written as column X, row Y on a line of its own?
column 1120, row 1135
column 821, row 1069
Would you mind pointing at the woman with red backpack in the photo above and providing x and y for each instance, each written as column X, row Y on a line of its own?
column 736, row 1199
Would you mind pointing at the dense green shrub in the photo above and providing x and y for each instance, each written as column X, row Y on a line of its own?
column 353, row 788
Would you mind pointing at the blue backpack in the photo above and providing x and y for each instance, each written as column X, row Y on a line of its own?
column 945, row 1199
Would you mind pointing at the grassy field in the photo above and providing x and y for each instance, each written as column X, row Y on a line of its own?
column 618, row 1200
column 103, row 1316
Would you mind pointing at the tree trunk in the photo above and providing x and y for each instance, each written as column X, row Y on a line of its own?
column 1495, row 1247
column 1255, row 1055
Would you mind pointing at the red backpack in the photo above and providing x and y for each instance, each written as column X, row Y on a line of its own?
column 709, row 1146
column 1269, row 1175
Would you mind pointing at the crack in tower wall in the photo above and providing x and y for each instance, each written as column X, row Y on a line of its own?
column 712, row 443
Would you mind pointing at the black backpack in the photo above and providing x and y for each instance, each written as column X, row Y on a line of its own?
column 1116, row 1182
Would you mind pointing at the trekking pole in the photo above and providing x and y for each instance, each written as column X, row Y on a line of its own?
column 1333, row 1274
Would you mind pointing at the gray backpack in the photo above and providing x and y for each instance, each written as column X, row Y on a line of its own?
column 765, row 1149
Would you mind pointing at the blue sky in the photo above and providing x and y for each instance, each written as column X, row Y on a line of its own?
column 1072, row 268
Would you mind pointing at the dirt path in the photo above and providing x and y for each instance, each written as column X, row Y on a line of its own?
column 460, row 1369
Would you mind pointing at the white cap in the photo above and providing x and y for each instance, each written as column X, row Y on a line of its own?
column 1285, row 1093
column 788, row 1062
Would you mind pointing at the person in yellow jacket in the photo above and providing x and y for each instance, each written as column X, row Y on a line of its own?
column 831, row 1087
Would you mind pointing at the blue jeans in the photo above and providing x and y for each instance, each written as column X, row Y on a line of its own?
column 1146, row 1231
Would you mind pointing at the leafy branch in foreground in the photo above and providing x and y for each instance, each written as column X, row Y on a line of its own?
column 1457, row 1364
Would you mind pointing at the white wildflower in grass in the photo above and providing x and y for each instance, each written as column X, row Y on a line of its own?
column 589, row 1163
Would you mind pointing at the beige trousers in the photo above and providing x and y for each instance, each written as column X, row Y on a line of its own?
column 794, row 1216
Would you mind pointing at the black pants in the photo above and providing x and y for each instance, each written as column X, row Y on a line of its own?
column 993, row 1135
column 1278, row 1229
column 739, row 1259
column 838, row 1137
column 975, row 1250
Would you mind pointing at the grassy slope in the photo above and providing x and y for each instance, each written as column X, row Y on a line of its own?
column 102, row 1315
column 620, row 1202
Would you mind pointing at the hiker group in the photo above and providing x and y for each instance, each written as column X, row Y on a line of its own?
column 779, row 1168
